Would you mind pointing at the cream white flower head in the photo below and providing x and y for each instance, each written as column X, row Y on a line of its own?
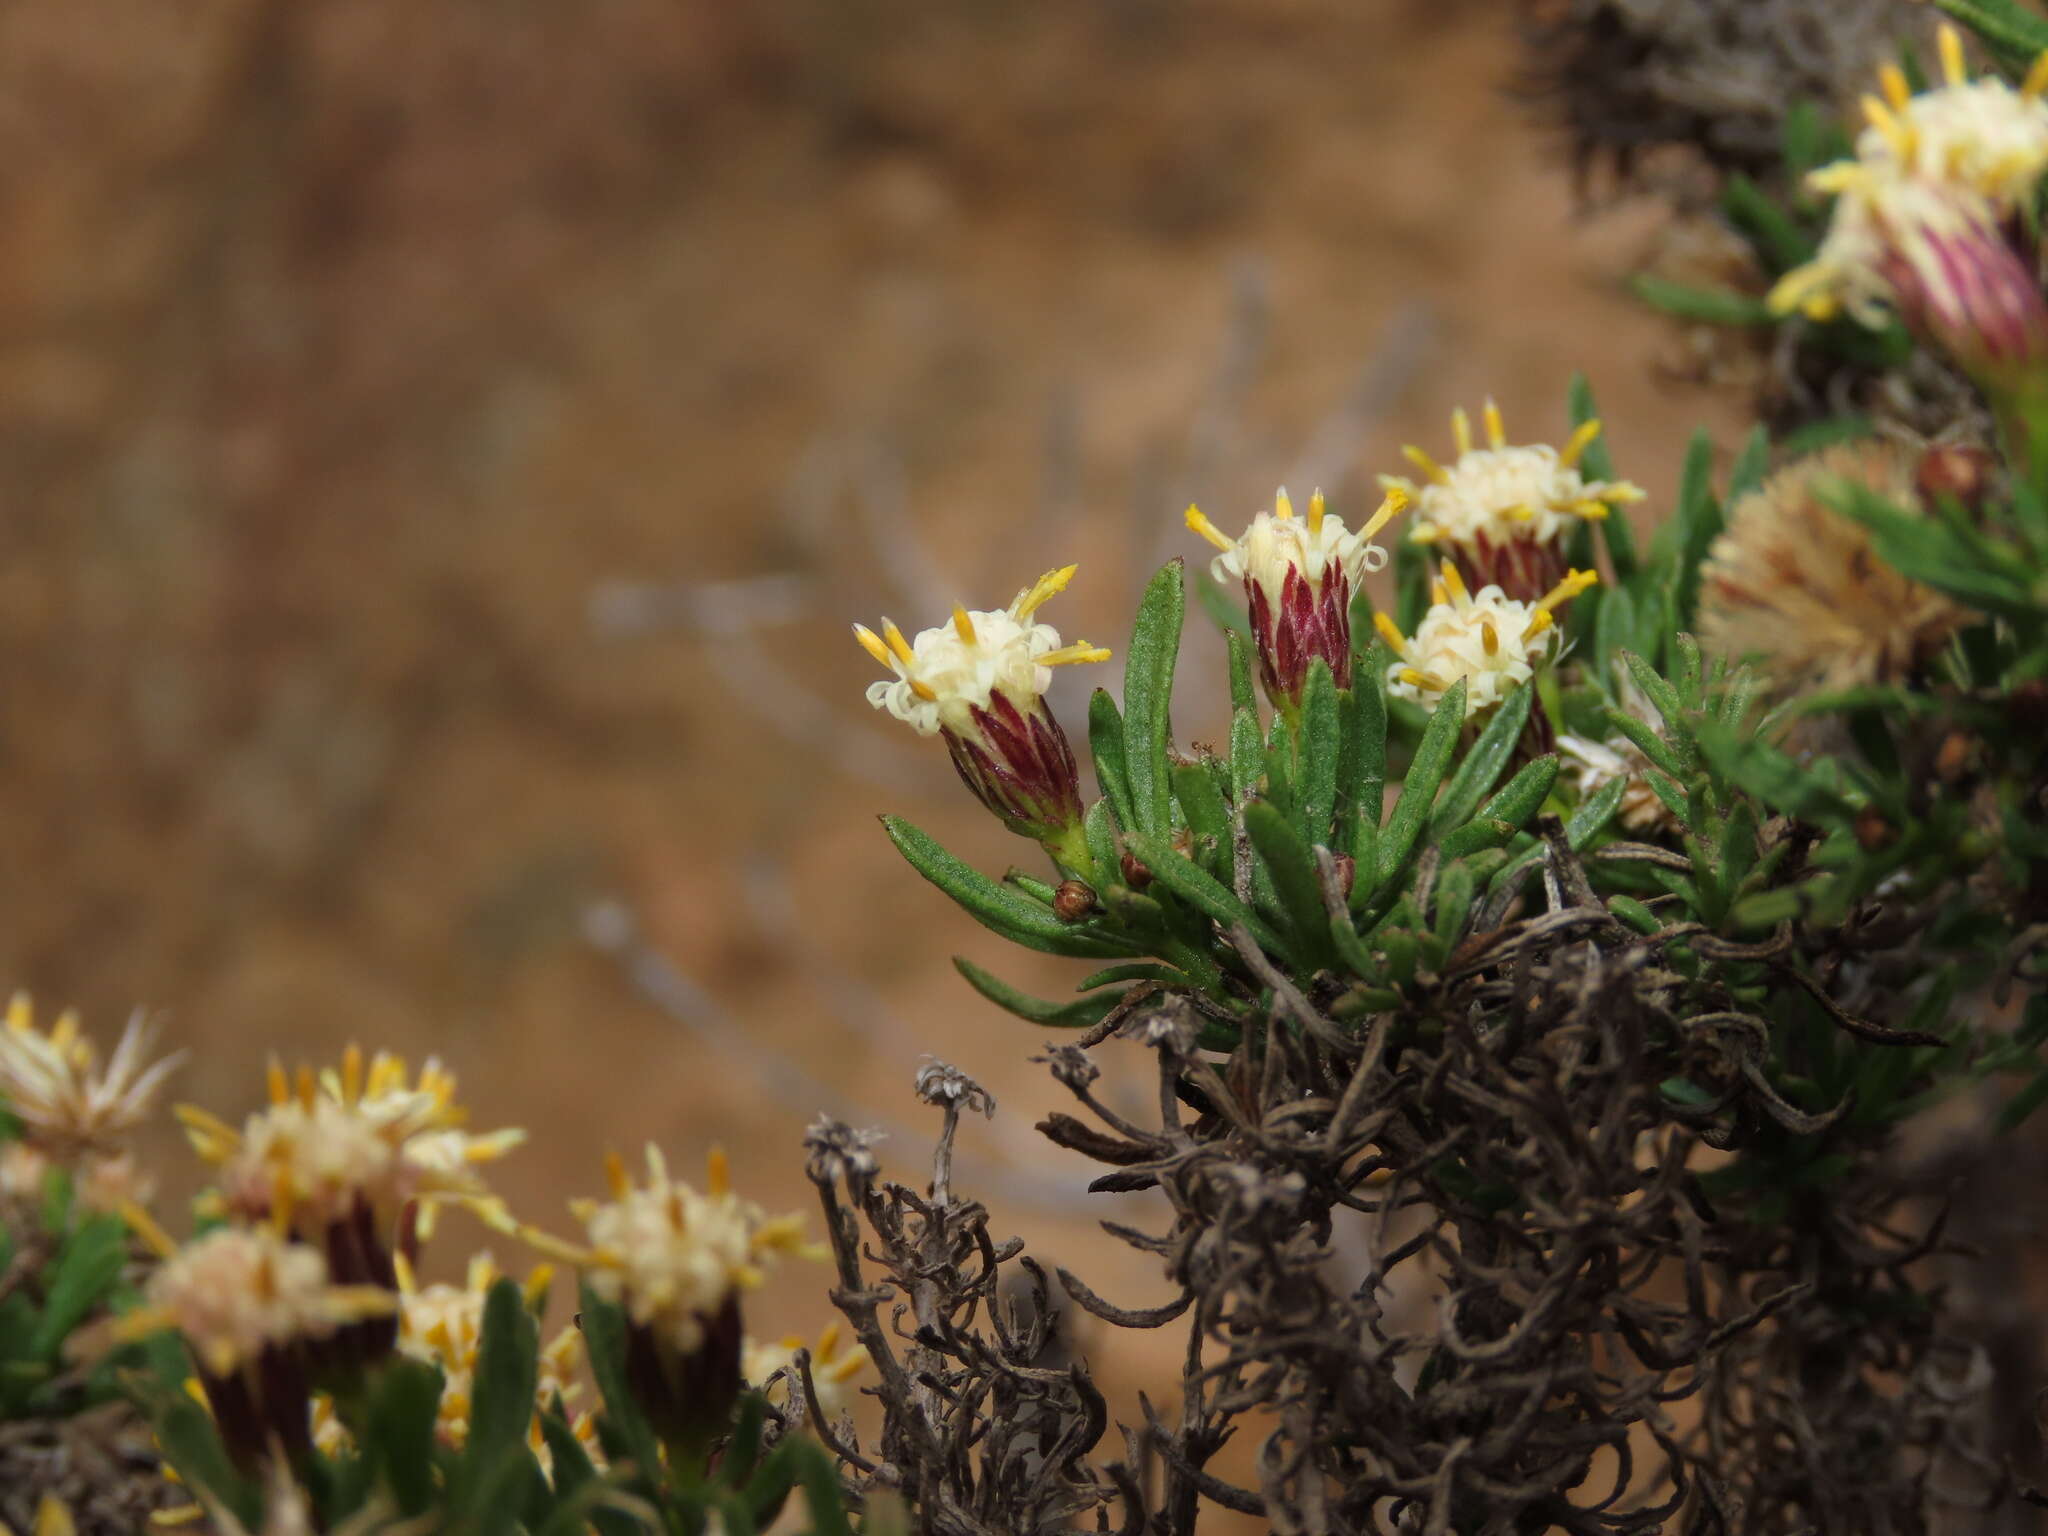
column 329, row 1140
column 1278, row 542
column 54, row 1083
column 1487, row 640
column 672, row 1255
column 1982, row 135
column 947, row 673
column 1504, row 492
column 1948, row 165
column 238, row 1291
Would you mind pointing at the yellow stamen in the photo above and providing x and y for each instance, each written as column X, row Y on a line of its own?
column 1392, row 505
column 1573, row 584
column 1897, row 92
column 537, row 1285
column 717, row 1173
column 1437, row 596
column 2037, row 76
column 280, row 1085
column 1390, row 632
column 897, row 643
column 1496, row 429
column 408, row 1277
column 963, row 626
column 1897, row 134
column 615, row 1175
column 1042, row 591
column 922, row 690
column 1415, row 679
column 1282, row 507
column 352, row 1073
column 1822, row 308
column 21, row 1012
column 1424, row 462
column 1538, row 625
column 1461, row 431
column 53, row 1518
column 308, row 1087
column 1950, row 44
column 1071, row 655
column 1459, row 594
column 872, row 644
column 1315, row 511
column 1589, row 507
column 1489, row 637
column 1197, row 523
column 1580, row 440
column 146, row 1227
column 1520, row 512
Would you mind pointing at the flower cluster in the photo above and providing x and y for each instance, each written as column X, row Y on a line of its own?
column 1299, row 576
column 1505, row 510
column 980, row 681
column 1929, row 216
column 1487, row 640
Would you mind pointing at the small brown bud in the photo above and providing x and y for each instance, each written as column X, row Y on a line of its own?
column 1952, row 469
column 1347, row 872
column 1136, row 875
column 1952, row 761
column 1872, row 830
column 1073, row 900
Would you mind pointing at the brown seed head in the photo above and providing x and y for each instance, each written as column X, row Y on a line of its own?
column 1073, row 900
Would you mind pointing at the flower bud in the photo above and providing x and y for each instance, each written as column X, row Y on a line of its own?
column 1299, row 576
column 980, row 682
column 1073, row 900
column 1504, row 511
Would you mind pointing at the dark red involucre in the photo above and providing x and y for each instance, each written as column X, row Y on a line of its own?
column 1021, row 767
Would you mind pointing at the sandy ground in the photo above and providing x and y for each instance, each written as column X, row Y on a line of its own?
column 381, row 384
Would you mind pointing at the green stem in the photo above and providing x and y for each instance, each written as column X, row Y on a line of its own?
column 1068, row 847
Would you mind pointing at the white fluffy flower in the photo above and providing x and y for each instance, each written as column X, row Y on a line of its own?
column 1979, row 134
column 833, row 1369
column 1504, row 492
column 54, row 1083
column 1487, row 640
column 947, row 673
column 673, row 1256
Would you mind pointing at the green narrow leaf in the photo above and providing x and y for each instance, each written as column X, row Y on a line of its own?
column 1418, row 789
column 1201, row 802
column 1411, row 584
column 1202, row 891
column 1483, row 761
column 1098, row 826
column 1293, row 870
column 1320, row 749
column 1523, row 795
column 1106, row 745
column 821, row 1490
column 1148, row 696
column 399, row 1440
column 1247, row 755
column 1652, row 745
column 1710, row 306
column 1750, row 466
column 192, row 1445
column 1698, row 523
column 1369, row 726
column 1477, row 835
column 86, row 1269
column 1659, row 691
column 1078, row 1014
column 1015, row 917
column 507, row 1369
column 2016, row 35
column 1581, row 826
column 1775, row 234
column 1244, row 688
column 604, row 1337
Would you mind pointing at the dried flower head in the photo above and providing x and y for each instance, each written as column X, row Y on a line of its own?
column 1299, row 575
column 1797, row 584
column 1488, row 640
column 980, row 682
column 1593, row 765
column 54, row 1084
column 769, row 1368
column 1505, row 509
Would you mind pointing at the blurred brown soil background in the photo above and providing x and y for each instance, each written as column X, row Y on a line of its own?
column 353, row 352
